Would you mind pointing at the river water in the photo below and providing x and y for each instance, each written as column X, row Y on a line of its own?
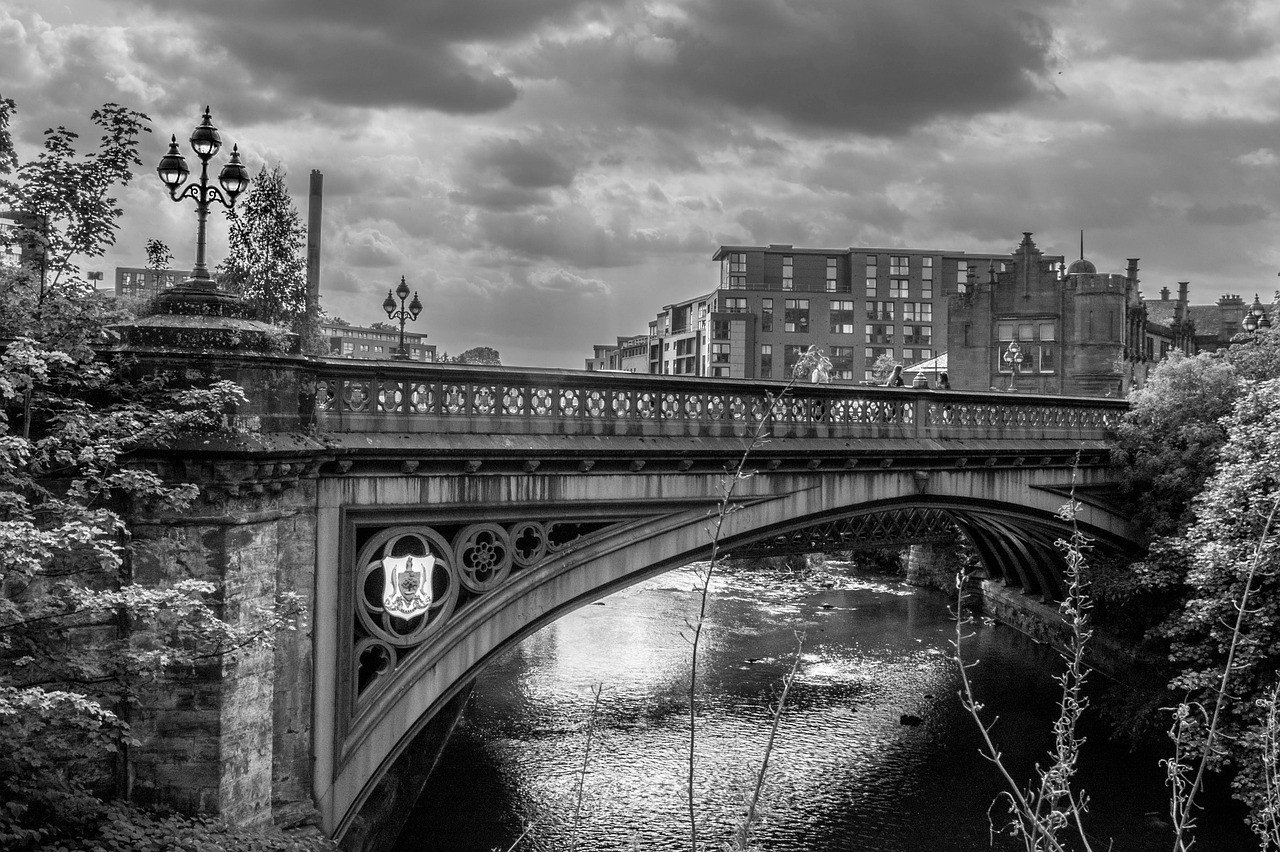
column 845, row 773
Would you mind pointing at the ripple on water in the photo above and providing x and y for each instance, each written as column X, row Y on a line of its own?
column 845, row 773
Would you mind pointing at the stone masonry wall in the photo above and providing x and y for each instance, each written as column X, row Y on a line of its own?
column 209, row 738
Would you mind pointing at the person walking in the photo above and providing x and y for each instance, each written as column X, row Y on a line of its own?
column 943, row 383
column 895, row 380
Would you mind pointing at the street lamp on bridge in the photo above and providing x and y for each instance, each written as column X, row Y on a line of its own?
column 1256, row 317
column 415, row 308
column 173, row 172
column 1013, row 357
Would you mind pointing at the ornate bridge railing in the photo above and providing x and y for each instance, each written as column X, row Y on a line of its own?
column 364, row 396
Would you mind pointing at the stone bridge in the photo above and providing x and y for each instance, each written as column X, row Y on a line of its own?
column 538, row 491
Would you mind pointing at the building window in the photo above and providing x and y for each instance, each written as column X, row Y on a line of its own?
column 897, row 288
column 766, row 314
column 917, row 335
column 873, row 353
column 917, row 312
column 720, row 353
column 842, row 362
column 926, row 288
column 348, row 347
column 843, row 317
column 880, row 311
column 788, row 268
column 766, row 361
column 796, row 316
column 1037, row 340
column 831, row 274
column 733, row 271
column 791, row 357
column 872, row 275
column 879, row 334
column 734, row 305
column 720, row 329
column 899, row 265
column 926, row 268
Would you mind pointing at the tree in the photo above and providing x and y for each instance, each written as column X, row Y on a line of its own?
column 882, row 368
column 78, row 637
column 65, row 198
column 483, row 355
column 266, row 259
column 158, row 256
column 1167, row 445
column 1231, row 544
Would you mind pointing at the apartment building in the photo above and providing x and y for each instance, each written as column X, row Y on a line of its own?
column 774, row 302
column 350, row 341
column 143, row 282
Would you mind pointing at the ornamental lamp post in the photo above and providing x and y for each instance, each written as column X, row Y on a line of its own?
column 415, row 308
column 234, row 178
column 1256, row 317
column 1013, row 357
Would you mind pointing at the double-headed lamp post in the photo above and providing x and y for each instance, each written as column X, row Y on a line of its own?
column 415, row 308
column 173, row 172
column 1013, row 357
column 1256, row 317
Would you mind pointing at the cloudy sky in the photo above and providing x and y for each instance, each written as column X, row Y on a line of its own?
column 549, row 173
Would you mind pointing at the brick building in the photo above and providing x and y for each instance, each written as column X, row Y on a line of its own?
column 774, row 302
column 1023, row 321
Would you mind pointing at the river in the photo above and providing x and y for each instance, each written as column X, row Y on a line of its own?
column 873, row 751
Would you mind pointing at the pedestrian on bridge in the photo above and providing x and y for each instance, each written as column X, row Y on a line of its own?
column 895, row 380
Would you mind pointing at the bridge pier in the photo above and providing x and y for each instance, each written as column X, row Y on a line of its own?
column 232, row 737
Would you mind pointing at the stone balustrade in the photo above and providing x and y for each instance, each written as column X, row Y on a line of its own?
column 421, row 398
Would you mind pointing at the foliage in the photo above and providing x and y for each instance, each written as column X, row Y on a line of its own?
column 266, row 261
column 483, row 355
column 1168, row 443
column 158, row 255
column 1044, row 814
column 78, row 637
column 1231, row 552
column 66, row 196
column 121, row 827
column 882, row 368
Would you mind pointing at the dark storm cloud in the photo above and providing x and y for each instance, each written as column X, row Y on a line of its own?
column 376, row 52
column 522, row 164
column 876, row 66
column 510, row 174
column 1181, row 30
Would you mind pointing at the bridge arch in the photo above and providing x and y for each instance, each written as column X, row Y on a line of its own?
column 631, row 529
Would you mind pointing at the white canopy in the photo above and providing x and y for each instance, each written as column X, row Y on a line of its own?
column 933, row 365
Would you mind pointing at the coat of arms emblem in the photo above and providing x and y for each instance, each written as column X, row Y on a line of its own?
column 406, row 589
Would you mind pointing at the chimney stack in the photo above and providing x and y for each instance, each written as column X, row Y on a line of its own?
column 315, row 203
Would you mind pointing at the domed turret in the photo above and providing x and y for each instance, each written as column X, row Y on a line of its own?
column 1082, row 267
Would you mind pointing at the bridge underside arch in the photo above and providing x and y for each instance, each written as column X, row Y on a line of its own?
column 546, row 545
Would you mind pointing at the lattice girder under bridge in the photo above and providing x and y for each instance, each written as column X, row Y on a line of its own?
column 889, row 528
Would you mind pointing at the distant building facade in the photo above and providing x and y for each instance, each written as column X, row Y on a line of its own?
column 1023, row 321
column 350, row 341
column 145, row 283
column 774, row 302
